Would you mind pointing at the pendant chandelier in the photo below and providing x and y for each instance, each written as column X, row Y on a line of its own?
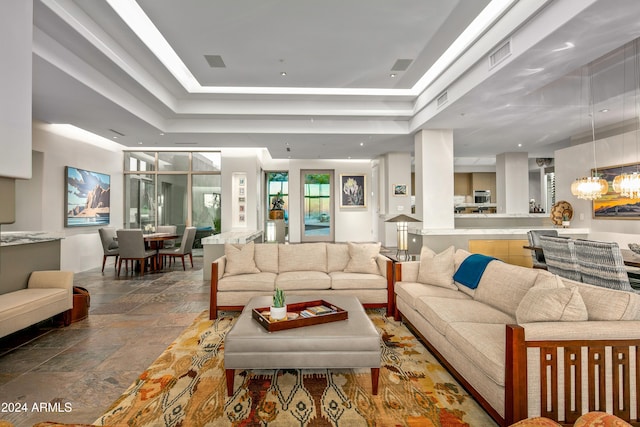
column 628, row 184
column 590, row 187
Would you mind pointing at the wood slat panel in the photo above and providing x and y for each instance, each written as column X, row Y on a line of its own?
column 549, row 382
column 572, row 383
column 621, row 382
column 596, row 375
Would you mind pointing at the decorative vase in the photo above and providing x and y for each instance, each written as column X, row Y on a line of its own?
column 566, row 224
column 278, row 313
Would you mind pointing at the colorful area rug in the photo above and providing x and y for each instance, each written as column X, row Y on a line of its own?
column 186, row 386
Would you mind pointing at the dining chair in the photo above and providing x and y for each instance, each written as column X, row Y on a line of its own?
column 131, row 243
column 601, row 264
column 185, row 248
column 537, row 255
column 560, row 257
column 169, row 229
column 109, row 245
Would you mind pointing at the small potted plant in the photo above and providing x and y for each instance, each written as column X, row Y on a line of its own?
column 278, row 310
column 566, row 221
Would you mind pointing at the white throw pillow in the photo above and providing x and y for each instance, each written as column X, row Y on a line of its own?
column 437, row 269
column 551, row 304
column 362, row 258
column 240, row 259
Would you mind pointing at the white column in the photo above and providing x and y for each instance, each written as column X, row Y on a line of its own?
column 512, row 183
column 434, row 178
column 16, row 28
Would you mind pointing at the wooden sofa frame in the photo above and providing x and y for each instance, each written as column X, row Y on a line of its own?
column 516, row 387
column 214, row 307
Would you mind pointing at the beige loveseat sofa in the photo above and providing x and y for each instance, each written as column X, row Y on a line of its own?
column 313, row 269
column 525, row 342
column 48, row 293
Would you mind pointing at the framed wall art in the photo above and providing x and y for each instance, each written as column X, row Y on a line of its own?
column 87, row 198
column 612, row 205
column 399, row 189
column 353, row 191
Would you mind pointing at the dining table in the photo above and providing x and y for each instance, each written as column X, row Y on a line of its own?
column 156, row 241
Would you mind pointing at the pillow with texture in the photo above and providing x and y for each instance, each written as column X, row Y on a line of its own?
column 437, row 269
column 240, row 259
column 362, row 258
column 551, row 304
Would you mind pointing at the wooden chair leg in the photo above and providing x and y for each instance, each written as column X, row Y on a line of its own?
column 104, row 260
column 119, row 266
column 183, row 266
column 191, row 258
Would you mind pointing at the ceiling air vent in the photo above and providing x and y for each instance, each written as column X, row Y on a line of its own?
column 500, row 54
column 215, row 61
column 401, row 65
column 442, row 99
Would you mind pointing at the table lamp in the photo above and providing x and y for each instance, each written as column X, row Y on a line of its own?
column 403, row 233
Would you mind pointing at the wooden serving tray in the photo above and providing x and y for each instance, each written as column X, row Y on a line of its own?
column 262, row 316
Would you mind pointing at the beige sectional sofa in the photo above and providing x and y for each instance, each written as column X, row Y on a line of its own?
column 525, row 342
column 48, row 293
column 313, row 269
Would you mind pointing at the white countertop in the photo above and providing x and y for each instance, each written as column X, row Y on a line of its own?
column 13, row 238
column 502, row 215
column 234, row 236
column 487, row 231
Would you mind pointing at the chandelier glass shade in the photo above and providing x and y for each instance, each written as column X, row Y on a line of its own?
column 628, row 185
column 589, row 188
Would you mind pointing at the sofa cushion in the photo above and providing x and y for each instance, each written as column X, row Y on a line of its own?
column 337, row 257
column 343, row 280
column 437, row 269
column 504, row 285
column 458, row 257
column 551, row 304
column 266, row 257
column 439, row 312
column 607, row 304
column 362, row 258
column 411, row 291
column 240, row 259
column 483, row 344
column 301, row 280
column 263, row 281
column 302, row 257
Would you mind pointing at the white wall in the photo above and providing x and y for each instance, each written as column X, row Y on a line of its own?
column 16, row 27
column 350, row 224
column 577, row 161
column 40, row 201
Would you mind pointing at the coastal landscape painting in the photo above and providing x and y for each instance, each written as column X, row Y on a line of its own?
column 87, row 198
column 612, row 205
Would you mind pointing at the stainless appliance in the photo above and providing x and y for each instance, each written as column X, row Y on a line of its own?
column 482, row 196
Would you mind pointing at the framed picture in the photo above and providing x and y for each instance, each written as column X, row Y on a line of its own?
column 353, row 191
column 241, row 191
column 87, row 198
column 612, row 205
column 241, row 181
column 399, row 189
column 241, row 208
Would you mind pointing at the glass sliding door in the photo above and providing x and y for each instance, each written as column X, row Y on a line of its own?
column 317, row 209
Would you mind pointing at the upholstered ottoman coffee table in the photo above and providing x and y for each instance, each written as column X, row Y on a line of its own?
column 351, row 343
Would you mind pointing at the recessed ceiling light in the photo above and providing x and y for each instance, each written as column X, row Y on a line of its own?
column 115, row 137
column 519, row 145
column 393, row 75
column 161, row 134
column 604, row 110
column 362, row 144
column 283, row 73
column 139, row 142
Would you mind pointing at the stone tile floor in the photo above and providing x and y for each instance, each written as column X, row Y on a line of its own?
column 78, row 371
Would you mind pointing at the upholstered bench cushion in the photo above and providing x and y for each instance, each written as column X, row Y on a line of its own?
column 342, row 280
column 23, row 301
column 482, row 343
column 248, row 282
column 440, row 312
column 354, row 342
column 301, row 280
